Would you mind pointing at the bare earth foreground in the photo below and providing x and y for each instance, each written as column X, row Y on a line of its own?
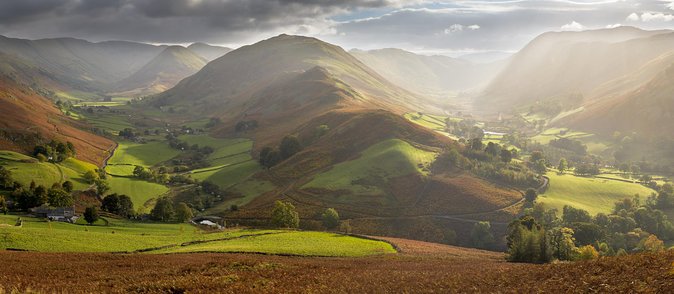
column 420, row 267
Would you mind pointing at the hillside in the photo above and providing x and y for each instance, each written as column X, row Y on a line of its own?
column 428, row 74
column 208, row 52
column 647, row 111
column 82, row 64
column 568, row 66
column 30, row 119
column 226, row 86
column 162, row 72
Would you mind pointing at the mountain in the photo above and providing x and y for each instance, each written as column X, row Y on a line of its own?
column 234, row 86
column 563, row 66
column 427, row 74
column 359, row 155
column 81, row 64
column 486, row 57
column 164, row 71
column 208, row 52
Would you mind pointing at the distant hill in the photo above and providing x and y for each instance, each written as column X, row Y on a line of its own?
column 427, row 74
column 563, row 65
column 163, row 72
column 647, row 110
column 208, row 52
column 82, row 64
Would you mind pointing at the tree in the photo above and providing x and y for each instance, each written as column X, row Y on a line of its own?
column 110, row 203
column 562, row 243
column 59, row 198
column 91, row 215
column 530, row 195
column 163, row 210
column 183, row 212
column 284, row 215
column 506, row 155
column 575, row 215
column 289, row 146
column 68, row 186
column 6, row 180
column 272, row 158
column 481, row 236
column 587, row 252
column 91, row 176
column 540, row 167
column 492, row 149
column 536, row 156
column 101, row 186
column 563, row 165
column 330, row 218
column 125, row 206
column 652, row 244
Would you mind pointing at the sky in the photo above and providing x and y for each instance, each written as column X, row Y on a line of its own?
column 427, row 27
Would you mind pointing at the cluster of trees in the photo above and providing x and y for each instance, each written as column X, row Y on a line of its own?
column 118, row 204
column 98, row 179
column 540, row 236
column 165, row 212
column 245, row 125
column 128, row 133
column 574, row 146
column 54, row 151
column 151, row 175
column 271, row 156
column 489, row 161
column 59, row 195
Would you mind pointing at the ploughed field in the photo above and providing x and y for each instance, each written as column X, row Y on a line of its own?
column 420, row 267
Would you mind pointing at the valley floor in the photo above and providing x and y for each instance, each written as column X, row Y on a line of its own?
column 420, row 267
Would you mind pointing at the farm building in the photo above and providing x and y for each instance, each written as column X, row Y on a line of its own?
column 62, row 214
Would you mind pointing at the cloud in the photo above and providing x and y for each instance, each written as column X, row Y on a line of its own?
column 572, row 26
column 416, row 25
column 649, row 16
column 454, row 28
column 613, row 26
column 632, row 17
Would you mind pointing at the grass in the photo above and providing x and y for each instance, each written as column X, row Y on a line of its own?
column 108, row 121
column 146, row 155
column 139, row 191
column 378, row 163
column 250, row 189
column 126, row 236
column 591, row 194
column 294, row 243
column 119, row 235
column 26, row 169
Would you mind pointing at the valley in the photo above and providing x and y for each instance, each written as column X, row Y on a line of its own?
column 202, row 168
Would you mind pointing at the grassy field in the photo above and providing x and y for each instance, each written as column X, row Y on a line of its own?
column 140, row 191
column 433, row 122
column 119, row 235
column 294, row 243
column 110, row 122
column 592, row 194
column 26, row 169
column 123, row 235
column 594, row 144
column 378, row 163
column 149, row 154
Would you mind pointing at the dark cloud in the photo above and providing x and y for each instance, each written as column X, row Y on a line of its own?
column 409, row 24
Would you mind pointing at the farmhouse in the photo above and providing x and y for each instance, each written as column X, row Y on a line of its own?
column 62, row 214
